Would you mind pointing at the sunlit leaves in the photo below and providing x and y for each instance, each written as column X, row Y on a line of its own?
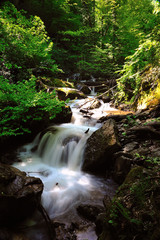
column 130, row 80
column 24, row 43
column 21, row 103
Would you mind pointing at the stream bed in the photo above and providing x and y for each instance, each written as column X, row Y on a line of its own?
column 56, row 157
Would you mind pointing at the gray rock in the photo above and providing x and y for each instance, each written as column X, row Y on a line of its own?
column 100, row 147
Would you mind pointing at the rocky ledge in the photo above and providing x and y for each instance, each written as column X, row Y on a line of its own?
column 133, row 213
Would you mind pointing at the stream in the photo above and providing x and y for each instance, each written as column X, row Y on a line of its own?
column 56, row 157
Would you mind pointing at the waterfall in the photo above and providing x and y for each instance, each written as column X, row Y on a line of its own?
column 93, row 93
column 56, row 157
column 63, row 146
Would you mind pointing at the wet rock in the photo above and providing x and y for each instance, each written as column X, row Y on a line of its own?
column 99, row 223
column 100, row 148
column 83, row 88
column 95, row 104
column 64, row 233
column 19, row 195
column 106, row 98
column 89, row 212
column 85, row 111
column 71, row 139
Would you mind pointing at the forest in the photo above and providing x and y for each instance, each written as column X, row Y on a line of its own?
column 57, row 39
column 51, row 46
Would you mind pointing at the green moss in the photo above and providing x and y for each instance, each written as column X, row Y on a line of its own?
column 135, row 207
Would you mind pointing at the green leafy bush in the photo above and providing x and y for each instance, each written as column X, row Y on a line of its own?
column 24, row 44
column 21, row 105
column 130, row 81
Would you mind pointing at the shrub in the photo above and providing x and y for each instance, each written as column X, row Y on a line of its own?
column 21, row 105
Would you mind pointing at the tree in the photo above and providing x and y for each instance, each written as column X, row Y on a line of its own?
column 25, row 45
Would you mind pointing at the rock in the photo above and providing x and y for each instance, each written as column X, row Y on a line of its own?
column 84, row 111
column 134, row 211
column 155, row 152
column 116, row 115
column 71, row 93
column 64, row 116
column 141, row 151
column 146, row 132
column 95, row 104
column 83, row 88
column 99, row 223
column 63, row 232
column 89, row 212
column 106, row 98
column 155, row 112
column 121, row 168
column 19, row 195
column 9, row 144
column 70, row 139
column 130, row 146
column 100, row 148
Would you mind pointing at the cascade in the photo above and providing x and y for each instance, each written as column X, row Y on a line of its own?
column 56, row 157
column 93, row 93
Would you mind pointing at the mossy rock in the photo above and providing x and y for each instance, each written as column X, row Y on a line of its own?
column 134, row 211
column 50, row 82
column 69, row 93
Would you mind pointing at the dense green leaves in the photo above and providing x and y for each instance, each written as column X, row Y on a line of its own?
column 130, row 81
column 21, row 104
column 25, row 49
column 25, row 45
column 103, row 38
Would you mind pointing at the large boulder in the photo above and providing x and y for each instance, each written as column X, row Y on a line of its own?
column 100, row 147
column 19, row 195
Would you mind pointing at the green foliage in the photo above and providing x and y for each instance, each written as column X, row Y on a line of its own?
column 99, row 63
column 130, row 81
column 153, row 161
column 117, row 210
column 24, row 44
column 21, row 104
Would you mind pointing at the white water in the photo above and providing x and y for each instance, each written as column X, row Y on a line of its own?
column 57, row 162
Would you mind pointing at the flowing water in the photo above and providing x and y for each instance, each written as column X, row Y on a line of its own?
column 56, row 157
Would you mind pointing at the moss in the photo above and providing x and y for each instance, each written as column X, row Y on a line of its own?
column 135, row 208
column 150, row 88
column 55, row 82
